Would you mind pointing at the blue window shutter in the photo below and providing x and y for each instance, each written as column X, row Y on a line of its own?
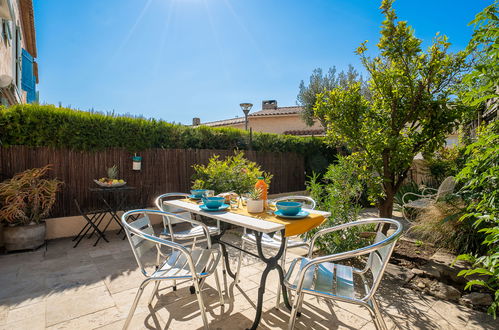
column 28, row 80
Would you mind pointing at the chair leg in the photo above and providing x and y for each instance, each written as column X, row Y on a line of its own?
column 224, row 271
column 135, row 302
column 201, row 303
column 377, row 315
column 156, row 286
column 294, row 310
column 219, row 287
column 240, row 260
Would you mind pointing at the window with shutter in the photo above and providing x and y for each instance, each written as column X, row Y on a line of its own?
column 28, row 77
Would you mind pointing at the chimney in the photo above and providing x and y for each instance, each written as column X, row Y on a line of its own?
column 269, row 105
column 196, row 121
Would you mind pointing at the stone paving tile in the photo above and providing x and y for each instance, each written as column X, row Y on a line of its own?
column 72, row 305
column 94, row 287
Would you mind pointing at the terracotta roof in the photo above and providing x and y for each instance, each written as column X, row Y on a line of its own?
column 225, row 122
column 279, row 111
column 311, row 131
column 28, row 23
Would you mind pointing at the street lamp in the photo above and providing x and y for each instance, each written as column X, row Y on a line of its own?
column 246, row 107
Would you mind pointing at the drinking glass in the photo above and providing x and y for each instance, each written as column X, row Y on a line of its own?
column 209, row 193
column 234, row 201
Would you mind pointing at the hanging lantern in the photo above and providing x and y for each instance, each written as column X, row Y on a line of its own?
column 137, row 163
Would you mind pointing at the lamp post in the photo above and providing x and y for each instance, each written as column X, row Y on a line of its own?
column 246, row 107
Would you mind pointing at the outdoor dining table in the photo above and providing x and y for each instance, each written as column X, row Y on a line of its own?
column 262, row 223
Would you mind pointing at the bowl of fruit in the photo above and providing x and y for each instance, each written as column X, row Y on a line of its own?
column 111, row 181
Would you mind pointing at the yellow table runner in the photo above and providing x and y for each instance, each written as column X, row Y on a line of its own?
column 292, row 226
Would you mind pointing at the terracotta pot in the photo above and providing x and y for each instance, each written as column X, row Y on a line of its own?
column 24, row 237
column 255, row 206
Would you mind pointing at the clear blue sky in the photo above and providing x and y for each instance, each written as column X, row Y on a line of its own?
column 178, row 59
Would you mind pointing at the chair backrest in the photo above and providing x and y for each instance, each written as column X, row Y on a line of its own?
column 383, row 246
column 141, row 236
column 308, row 202
column 159, row 202
column 446, row 187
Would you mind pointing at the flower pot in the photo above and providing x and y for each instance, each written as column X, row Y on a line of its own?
column 255, row 206
column 24, row 237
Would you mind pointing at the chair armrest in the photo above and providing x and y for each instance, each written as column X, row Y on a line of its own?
column 341, row 227
column 413, row 194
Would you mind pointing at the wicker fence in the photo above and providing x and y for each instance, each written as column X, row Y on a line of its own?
column 162, row 170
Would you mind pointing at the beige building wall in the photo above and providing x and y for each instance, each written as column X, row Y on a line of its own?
column 278, row 124
column 7, row 50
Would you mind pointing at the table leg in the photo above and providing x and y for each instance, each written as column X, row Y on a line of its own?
column 272, row 263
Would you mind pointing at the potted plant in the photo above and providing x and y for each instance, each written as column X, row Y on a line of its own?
column 255, row 201
column 26, row 200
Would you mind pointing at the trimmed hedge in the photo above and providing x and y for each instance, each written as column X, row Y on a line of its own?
column 47, row 125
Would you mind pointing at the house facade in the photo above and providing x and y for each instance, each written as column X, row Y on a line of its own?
column 18, row 69
column 271, row 119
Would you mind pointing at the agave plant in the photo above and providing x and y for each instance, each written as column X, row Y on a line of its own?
column 27, row 198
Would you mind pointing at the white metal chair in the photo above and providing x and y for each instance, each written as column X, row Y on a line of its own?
column 325, row 277
column 274, row 242
column 182, row 264
column 192, row 233
column 428, row 197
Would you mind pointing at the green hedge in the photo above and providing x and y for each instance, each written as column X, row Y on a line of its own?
column 47, row 125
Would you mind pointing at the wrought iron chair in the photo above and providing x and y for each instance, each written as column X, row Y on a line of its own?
column 428, row 197
column 182, row 264
column 325, row 277
column 274, row 242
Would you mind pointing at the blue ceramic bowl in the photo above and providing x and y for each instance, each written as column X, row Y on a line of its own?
column 213, row 202
column 198, row 192
column 288, row 208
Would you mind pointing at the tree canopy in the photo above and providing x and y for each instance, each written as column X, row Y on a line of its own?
column 410, row 108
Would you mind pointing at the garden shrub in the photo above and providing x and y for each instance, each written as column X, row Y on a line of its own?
column 234, row 173
column 338, row 192
column 440, row 225
column 445, row 162
column 480, row 191
column 46, row 125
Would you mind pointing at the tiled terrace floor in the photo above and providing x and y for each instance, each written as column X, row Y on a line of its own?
column 58, row 287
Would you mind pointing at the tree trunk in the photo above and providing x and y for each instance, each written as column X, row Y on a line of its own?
column 386, row 208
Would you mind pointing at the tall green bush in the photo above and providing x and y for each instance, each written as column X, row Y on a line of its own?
column 480, row 178
column 338, row 192
column 234, row 173
column 47, row 125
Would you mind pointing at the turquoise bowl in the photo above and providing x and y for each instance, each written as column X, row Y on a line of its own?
column 288, row 208
column 213, row 202
column 198, row 192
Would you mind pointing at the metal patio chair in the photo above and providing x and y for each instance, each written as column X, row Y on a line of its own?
column 428, row 197
column 181, row 264
column 325, row 277
column 192, row 233
column 274, row 242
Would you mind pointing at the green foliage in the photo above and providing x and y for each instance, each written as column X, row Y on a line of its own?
column 47, row 125
column 445, row 162
column 480, row 178
column 234, row 173
column 338, row 192
column 411, row 187
column 320, row 83
column 481, row 84
column 410, row 109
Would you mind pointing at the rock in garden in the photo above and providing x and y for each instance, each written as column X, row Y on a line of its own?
column 444, row 291
column 477, row 298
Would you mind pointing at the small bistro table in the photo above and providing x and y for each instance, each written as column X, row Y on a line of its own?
column 260, row 227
